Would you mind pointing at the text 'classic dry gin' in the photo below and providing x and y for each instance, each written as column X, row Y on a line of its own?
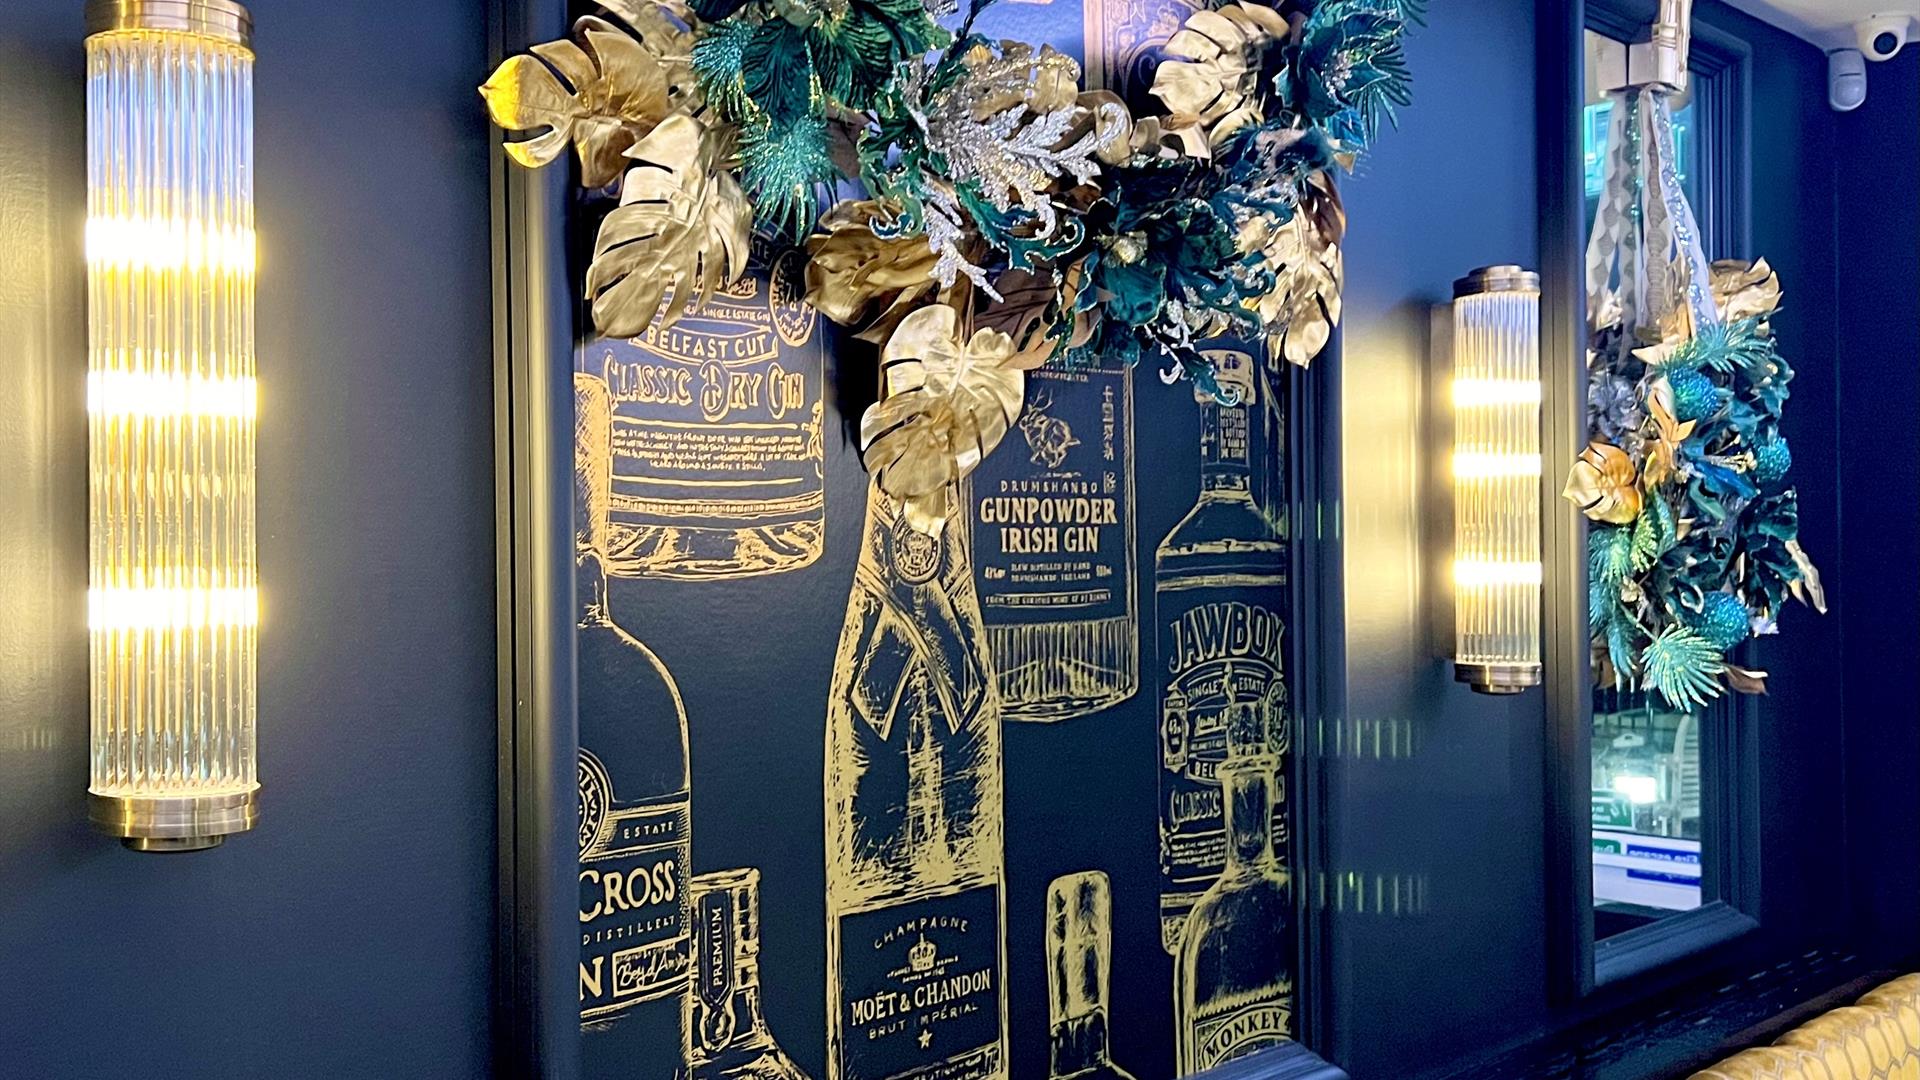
column 718, row 466
column 1220, row 591
column 634, row 827
column 1053, row 547
column 916, row 956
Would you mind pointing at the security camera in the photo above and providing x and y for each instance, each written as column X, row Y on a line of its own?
column 1883, row 36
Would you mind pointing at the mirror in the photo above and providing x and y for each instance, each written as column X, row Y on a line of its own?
column 1654, row 769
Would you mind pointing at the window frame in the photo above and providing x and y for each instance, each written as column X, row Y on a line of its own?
column 1581, row 965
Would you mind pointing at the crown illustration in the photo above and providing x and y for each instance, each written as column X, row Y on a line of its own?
column 920, row 958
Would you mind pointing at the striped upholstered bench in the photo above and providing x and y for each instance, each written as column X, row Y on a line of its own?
column 1876, row 1039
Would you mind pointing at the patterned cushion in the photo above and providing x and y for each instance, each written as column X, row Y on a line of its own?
column 1878, row 1039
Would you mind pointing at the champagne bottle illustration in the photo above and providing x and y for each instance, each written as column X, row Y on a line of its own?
column 634, row 826
column 914, row 852
column 717, row 461
column 1079, row 962
column 727, row 1035
column 1053, row 547
column 1220, row 591
column 1236, row 962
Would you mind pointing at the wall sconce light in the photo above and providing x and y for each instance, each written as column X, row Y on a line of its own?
column 173, row 597
column 1497, row 474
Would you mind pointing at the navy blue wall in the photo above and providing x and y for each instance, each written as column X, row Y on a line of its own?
column 351, row 934
column 1435, row 876
column 1879, row 324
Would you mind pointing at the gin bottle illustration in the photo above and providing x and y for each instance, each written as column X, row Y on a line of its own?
column 1220, row 593
column 1079, row 961
column 1234, row 987
column 1053, row 547
column 726, row 1033
column 916, row 956
column 717, row 460
column 634, row 827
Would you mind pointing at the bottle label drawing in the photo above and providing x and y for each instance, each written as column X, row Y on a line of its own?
column 633, row 883
column 1220, row 597
column 1079, row 963
column 916, row 955
column 920, row 985
column 1242, row 1031
column 634, row 783
column 1223, row 657
column 717, row 461
column 1234, row 975
column 1053, row 547
column 728, row 1038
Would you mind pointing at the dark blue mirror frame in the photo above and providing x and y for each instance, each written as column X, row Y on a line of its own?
column 1720, row 67
column 536, row 1015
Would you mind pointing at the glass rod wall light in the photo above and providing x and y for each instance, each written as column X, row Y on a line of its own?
column 173, row 598
column 1497, row 474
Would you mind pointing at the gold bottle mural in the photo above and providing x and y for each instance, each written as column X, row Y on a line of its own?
column 718, row 466
column 916, row 952
column 1079, row 964
column 634, row 809
column 726, row 1033
column 1053, row 547
column 1220, row 594
column 1233, row 987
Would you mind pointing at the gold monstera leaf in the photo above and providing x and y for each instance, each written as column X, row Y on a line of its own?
column 858, row 278
column 1309, row 272
column 681, row 230
column 1743, row 292
column 948, row 403
column 1663, row 451
column 1605, row 485
column 1212, row 76
column 622, row 85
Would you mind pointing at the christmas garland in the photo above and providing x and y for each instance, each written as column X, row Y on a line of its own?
column 965, row 203
column 1694, row 545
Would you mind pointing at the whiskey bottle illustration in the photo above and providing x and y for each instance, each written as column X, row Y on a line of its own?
column 633, row 788
column 1053, row 547
column 726, row 1033
column 1079, row 962
column 916, row 956
column 1234, row 987
column 1220, row 593
column 718, row 465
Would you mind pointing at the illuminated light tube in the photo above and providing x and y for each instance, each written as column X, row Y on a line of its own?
column 1497, row 476
column 173, row 602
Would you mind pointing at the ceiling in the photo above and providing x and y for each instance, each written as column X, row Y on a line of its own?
column 1824, row 22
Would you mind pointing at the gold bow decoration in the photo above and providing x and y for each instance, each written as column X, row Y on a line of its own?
column 681, row 230
column 947, row 405
column 1605, row 485
column 623, row 85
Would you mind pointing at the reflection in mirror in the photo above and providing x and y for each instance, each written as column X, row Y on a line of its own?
column 1647, row 811
column 1648, row 766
